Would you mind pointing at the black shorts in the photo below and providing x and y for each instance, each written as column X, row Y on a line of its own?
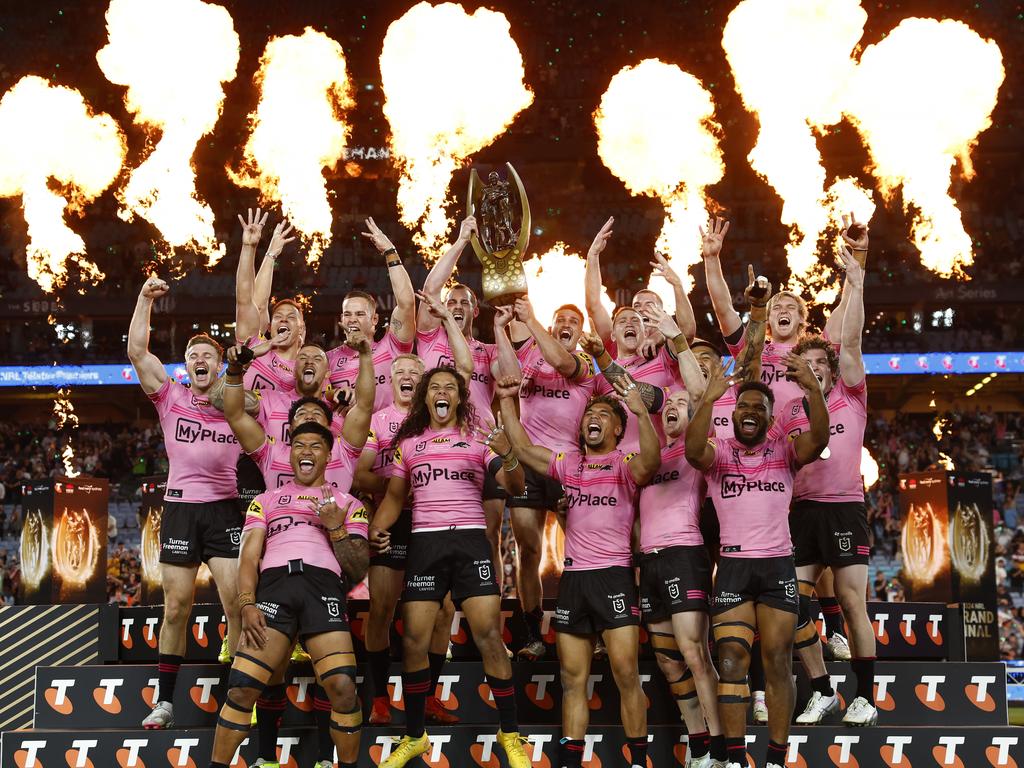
column 710, row 529
column 674, row 580
column 456, row 561
column 303, row 604
column 492, row 488
column 541, row 492
column 192, row 533
column 832, row 533
column 592, row 601
column 770, row 581
column 396, row 555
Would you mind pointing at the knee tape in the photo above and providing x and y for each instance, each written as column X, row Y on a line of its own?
column 664, row 644
column 337, row 663
column 683, row 688
column 733, row 691
column 249, row 672
column 806, row 630
column 234, row 717
column 738, row 632
column 347, row 722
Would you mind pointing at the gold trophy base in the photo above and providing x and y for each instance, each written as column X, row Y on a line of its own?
column 503, row 277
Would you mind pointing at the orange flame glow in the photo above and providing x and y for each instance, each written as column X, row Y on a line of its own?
column 556, row 278
column 920, row 98
column 656, row 133
column 174, row 57
column 65, row 417
column 868, row 468
column 791, row 61
column 297, row 131
column 49, row 135
column 452, row 83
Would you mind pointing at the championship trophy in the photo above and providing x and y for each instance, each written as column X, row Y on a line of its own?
column 499, row 244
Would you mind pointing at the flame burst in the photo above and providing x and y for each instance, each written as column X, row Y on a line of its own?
column 656, row 133
column 297, row 131
column 920, row 98
column 453, row 82
column 65, row 418
column 556, row 278
column 177, row 93
column 792, row 60
column 48, row 134
column 868, row 468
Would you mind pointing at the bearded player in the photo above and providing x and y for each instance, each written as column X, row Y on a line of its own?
column 750, row 479
column 202, row 519
column 828, row 522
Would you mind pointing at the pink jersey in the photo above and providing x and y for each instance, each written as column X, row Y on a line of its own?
column 201, row 448
column 670, row 503
column 773, row 369
column 445, row 470
column 383, row 427
column 343, row 363
column 294, row 531
column 269, row 372
column 836, row 475
column 751, row 489
column 434, row 349
column 661, row 371
column 552, row 405
column 599, row 492
column 274, row 460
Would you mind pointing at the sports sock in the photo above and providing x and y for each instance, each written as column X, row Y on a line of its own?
column 718, row 747
column 823, row 685
column 505, row 700
column 699, row 743
column 379, row 662
column 776, row 753
column 833, row 615
column 736, row 750
column 269, row 708
column 570, row 753
column 864, row 669
column 436, row 661
column 167, row 669
column 415, row 689
column 637, row 750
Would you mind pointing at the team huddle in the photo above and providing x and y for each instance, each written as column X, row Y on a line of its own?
column 703, row 497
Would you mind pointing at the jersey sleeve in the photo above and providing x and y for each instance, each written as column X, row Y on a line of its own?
column 525, row 352
column 716, row 446
column 789, row 446
column 164, row 397
column 399, row 467
column 587, row 368
column 255, row 515
column 625, row 476
column 736, row 341
column 559, row 466
column 262, row 456
column 357, row 522
column 426, row 341
column 856, row 395
column 395, row 345
column 372, row 444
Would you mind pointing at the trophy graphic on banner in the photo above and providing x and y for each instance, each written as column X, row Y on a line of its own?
column 500, row 244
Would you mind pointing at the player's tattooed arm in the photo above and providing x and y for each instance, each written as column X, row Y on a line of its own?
column 653, row 397
column 351, row 552
column 757, row 292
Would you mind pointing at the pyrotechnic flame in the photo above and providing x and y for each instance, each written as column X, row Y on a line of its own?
column 174, row 57
column 792, row 60
column 920, row 98
column 946, row 462
column 48, row 134
column 656, row 132
column 65, row 418
column 556, row 278
column 452, row 83
column 868, row 468
column 298, row 131
column 939, row 427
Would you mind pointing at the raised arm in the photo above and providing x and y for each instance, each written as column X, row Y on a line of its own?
column 265, row 275
column 403, row 317
column 461, row 352
column 558, row 357
column 648, row 459
column 357, row 421
column 855, row 235
column 506, row 363
column 851, row 359
column 689, row 368
column 809, row 444
column 652, row 396
column 441, row 273
column 748, row 362
column 247, row 315
column 721, row 297
column 684, row 310
column 511, row 476
column 248, row 431
column 147, row 366
column 700, row 452
column 592, row 283
column 536, row 457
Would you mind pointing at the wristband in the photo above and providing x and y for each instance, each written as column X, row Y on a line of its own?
column 338, row 527
column 246, row 598
column 234, row 369
column 336, row 537
column 233, row 384
column 395, row 263
column 510, row 467
column 389, row 251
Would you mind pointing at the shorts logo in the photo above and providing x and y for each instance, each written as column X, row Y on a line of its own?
column 673, row 591
column 333, row 607
column 236, row 538
column 790, row 590
column 485, row 572
column 619, row 604
column 844, row 544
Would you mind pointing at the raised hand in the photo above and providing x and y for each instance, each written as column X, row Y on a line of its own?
column 435, row 307
column 799, row 371
column 357, row 340
column 661, row 268
column 591, row 343
column 154, row 288
column 507, row 387
column 719, row 382
column 503, row 315
column 663, row 321
column 467, row 229
column 601, row 239
column 760, row 296
column 280, row 238
column 713, row 237
column 630, row 394
column 494, row 438
column 854, row 268
column 252, row 227
column 524, row 310
column 376, row 236
column 855, row 233
column 239, row 354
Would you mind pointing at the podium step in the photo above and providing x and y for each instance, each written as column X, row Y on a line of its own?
column 119, row 696
column 469, row 746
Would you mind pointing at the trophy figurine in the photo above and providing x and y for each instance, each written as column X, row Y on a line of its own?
column 500, row 244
